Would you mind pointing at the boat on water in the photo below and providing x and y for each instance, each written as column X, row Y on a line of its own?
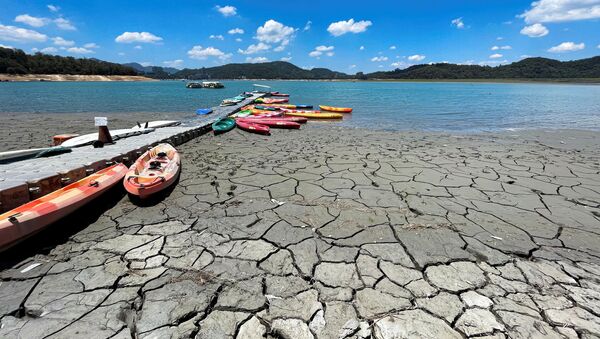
column 205, row 84
column 30, row 218
column 154, row 171
column 335, row 109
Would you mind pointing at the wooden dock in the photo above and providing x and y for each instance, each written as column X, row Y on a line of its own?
column 26, row 180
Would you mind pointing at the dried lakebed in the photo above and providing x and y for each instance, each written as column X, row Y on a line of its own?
column 332, row 233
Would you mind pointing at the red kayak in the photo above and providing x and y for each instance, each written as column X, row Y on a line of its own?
column 153, row 171
column 277, row 94
column 275, row 123
column 253, row 127
column 299, row 120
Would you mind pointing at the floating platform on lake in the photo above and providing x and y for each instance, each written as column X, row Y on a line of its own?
column 26, row 180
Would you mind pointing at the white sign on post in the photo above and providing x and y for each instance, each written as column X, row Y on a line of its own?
column 100, row 121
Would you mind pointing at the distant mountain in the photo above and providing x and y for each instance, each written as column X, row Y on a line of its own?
column 265, row 70
column 530, row 68
column 15, row 61
column 150, row 69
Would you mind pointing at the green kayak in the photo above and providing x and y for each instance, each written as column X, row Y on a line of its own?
column 223, row 125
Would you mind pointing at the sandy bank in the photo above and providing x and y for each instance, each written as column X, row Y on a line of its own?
column 71, row 77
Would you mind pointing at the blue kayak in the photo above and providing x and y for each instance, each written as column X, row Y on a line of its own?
column 203, row 111
column 304, row 106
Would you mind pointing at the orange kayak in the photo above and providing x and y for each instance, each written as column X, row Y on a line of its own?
column 336, row 109
column 153, row 171
column 313, row 115
column 28, row 219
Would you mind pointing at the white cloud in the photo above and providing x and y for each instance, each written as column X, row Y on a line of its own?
column 499, row 38
column 561, row 11
column 227, row 10
column 143, row 37
column 496, row 56
column 349, row 26
column 53, row 8
column 79, row 50
column 49, row 50
column 535, row 31
column 173, row 63
column 197, row 52
column 352, row 66
column 31, row 20
column 458, row 22
column 256, row 60
column 362, row 48
column 495, row 48
column 379, row 59
column 64, row 24
column 138, row 47
column 238, row 39
column 320, row 50
column 255, row 48
column 399, row 64
column 392, row 47
column 91, row 45
column 12, row 33
column 286, row 58
column 568, row 46
column 58, row 41
column 598, row 46
column 236, row 31
column 308, row 25
column 416, row 57
column 216, row 37
column 6, row 46
column 275, row 32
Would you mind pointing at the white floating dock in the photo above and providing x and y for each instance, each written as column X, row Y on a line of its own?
column 26, row 180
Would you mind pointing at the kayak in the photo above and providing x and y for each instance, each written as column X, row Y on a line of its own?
column 260, row 111
column 299, row 120
column 88, row 139
column 223, row 125
column 275, row 123
column 241, row 114
column 253, row 127
column 27, row 219
column 203, row 111
column 313, row 115
column 277, row 94
column 288, row 106
column 156, row 124
column 154, row 171
column 266, row 108
column 10, row 156
column 271, row 101
column 299, row 111
column 335, row 109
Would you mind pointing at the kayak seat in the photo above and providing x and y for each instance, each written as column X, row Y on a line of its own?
column 154, row 165
column 162, row 154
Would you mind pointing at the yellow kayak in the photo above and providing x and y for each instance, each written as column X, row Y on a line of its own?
column 335, row 109
column 313, row 115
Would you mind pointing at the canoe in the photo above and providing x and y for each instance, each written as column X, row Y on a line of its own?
column 271, row 101
column 275, row 123
column 27, row 219
column 223, row 125
column 313, row 115
column 336, row 109
column 289, row 106
column 88, row 139
column 285, row 110
column 253, row 127
column 11, row 156
column 156, row 124
column 299, row 120
column 204, row 111
column 260, row 111
column 241, row 114
column 277, row 94
column 154, row 171
column 266, row 108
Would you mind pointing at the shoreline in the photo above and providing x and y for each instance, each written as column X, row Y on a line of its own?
column 71, row 78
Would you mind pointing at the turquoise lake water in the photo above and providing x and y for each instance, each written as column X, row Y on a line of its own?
column 380, row 105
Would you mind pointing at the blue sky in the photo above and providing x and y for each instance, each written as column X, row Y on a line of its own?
column 347, row 36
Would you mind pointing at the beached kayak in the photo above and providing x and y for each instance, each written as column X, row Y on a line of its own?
column 335, row 109
column 223, row 125
column 277, row 94
column 10, row 156
column 27, row 219
column 289, row 106
column 271, row 101
column 153, row 171
column 275, row 123
column 252, row 127
column 313, row 115
column 156, row 124
column 285, row 110
column 260, row 112
column 299, row 120
column 204, row 111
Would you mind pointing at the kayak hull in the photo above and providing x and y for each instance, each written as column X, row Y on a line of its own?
column 274, row 123
column 223, row 125
column 30, row 218
column 144, row 179
column 335, row 109
column 253, row 127
column 313, row 115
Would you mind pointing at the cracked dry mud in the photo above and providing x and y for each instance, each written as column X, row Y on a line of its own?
column 333, row 233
